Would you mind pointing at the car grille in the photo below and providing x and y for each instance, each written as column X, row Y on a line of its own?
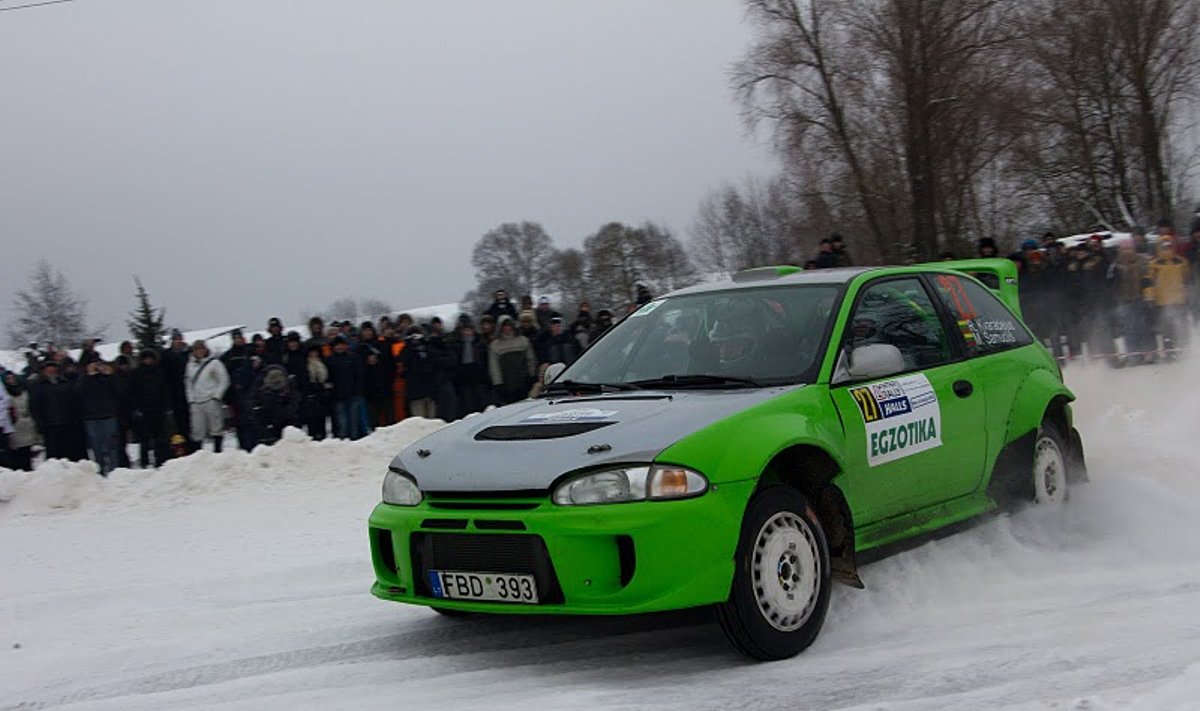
column 485, row 553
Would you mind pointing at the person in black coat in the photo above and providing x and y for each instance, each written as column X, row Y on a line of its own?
column 501, row 306
column 314, row 387
column 240, row 395
column 150, row 400
column 472, row 383
column 294, row 354
column 274, row 342
column 54, row 404
column 420, row 375
column 100, row 398
column 379, row 370
column 559, row 346
column 346, row 376
column 275, row 403
column 174, row 365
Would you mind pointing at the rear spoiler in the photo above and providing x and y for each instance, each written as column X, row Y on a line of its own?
column 999, row 275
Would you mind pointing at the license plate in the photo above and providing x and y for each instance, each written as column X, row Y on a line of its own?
column 499, row 587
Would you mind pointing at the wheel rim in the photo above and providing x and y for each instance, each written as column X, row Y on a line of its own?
column 787, row 571
column 1049, row 472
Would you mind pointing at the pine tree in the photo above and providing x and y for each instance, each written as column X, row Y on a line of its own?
column 145, row 325
column 49, row 310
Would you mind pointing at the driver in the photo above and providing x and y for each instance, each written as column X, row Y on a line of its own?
column 737, row 335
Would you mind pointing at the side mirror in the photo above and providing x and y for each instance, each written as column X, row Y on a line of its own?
column 553, row 371
column 875, row 361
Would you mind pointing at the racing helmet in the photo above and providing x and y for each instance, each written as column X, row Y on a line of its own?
column 737, row 331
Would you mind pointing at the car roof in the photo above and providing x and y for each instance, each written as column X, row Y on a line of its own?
column 777, row 276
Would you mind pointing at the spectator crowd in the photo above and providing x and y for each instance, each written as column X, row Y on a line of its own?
column 342, row 379
column 1080, row 300
column 345, row 379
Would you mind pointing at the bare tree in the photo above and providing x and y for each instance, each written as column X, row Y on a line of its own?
column 516, row 256
column 345, row 308
column 48, row 310
column 1109, row 78
column 895, row 110
column 374, row 308
column 569, row 278
column 620, row 257
column 756, row 224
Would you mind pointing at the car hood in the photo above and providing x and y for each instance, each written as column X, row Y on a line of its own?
column 528, row 445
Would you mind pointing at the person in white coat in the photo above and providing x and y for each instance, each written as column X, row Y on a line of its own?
column 206, row 381
column 24, row 434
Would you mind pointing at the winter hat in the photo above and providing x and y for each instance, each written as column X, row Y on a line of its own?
column 987, row 242
column 236, row 333
column 340, row 338
column 464, row 320
column 835, row 237
column 274, row 322
column 176, row 335
column 293, row 336
column 545, row 300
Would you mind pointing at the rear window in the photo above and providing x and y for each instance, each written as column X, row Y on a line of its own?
column 986, row 324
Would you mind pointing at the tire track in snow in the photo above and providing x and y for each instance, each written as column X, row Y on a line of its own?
column 468, row 642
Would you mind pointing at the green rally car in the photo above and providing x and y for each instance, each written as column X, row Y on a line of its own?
column 736, row 444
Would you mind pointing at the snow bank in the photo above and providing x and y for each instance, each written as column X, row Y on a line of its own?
column 296, row 464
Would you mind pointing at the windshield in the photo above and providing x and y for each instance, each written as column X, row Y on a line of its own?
column 763, row 336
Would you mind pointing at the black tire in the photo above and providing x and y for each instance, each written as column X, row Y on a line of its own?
column 1052, row 466
column 752, row 622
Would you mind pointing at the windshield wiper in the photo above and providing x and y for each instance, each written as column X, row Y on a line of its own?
column 697, row 380
column 574, row 386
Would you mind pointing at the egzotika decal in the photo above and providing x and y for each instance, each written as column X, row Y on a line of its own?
column 901, row 417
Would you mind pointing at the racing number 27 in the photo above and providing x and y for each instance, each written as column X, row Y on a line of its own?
column 954, row 288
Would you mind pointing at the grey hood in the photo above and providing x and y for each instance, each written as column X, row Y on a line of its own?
column 528, row 445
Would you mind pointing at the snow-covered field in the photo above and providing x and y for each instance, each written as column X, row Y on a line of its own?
column 240, row 581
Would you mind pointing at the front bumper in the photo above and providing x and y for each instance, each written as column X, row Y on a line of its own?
column 604, row 559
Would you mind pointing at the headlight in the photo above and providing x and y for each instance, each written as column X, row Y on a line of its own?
column 400, row 490
column 634, row 483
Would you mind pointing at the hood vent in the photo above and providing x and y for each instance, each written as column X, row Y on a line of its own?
column 512, row 433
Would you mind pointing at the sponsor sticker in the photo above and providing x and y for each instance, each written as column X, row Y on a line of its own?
column 901, row 416
column 582, row 414
column 648, row 308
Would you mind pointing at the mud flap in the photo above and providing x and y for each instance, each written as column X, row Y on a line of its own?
column 846, row 572
column 1077, row 471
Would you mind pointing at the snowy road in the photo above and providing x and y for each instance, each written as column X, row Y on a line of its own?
column 241, row 581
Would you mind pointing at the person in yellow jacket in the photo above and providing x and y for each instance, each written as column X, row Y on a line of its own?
column 1170, row 278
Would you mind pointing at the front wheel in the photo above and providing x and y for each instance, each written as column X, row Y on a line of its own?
column 781, row 582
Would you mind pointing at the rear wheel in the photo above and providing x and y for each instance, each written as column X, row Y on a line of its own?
column 781, row 582
column 1050, row 458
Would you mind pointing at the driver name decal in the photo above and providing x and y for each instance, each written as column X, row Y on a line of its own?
column 901, row 416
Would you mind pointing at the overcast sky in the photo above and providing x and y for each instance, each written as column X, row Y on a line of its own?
column 248, row 158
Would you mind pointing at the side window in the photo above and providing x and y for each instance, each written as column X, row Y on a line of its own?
column 899, row 312
column 986, row 325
